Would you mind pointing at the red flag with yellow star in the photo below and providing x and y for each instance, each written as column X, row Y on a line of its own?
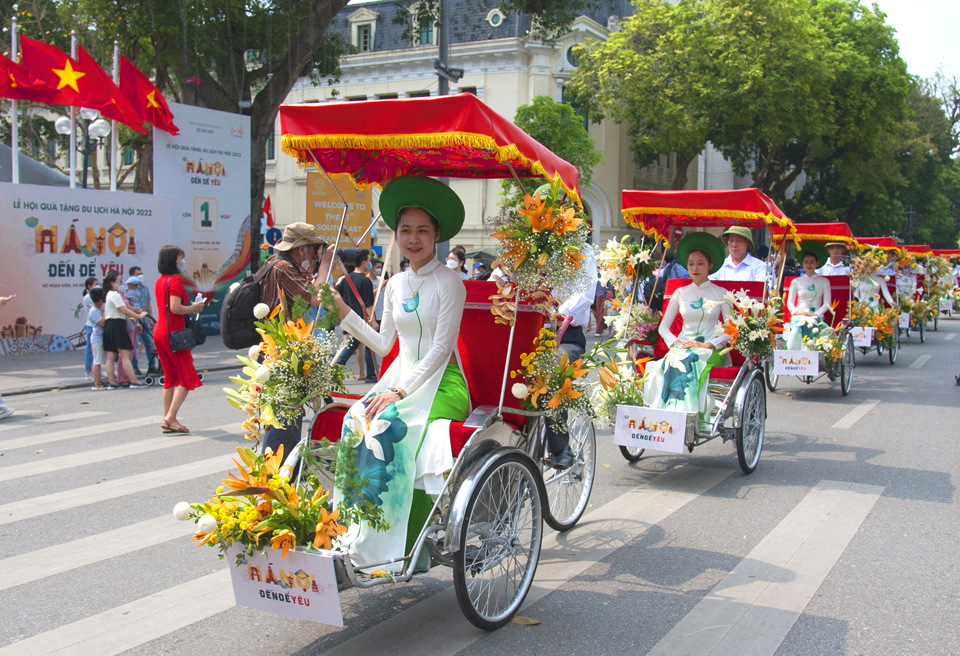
column 16, row 83
column 145, row 97
column 79, row 83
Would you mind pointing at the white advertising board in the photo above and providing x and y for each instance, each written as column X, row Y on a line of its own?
column 206, row 171
column 649, row 428
column 796, row 363
column 302, row 585
column 904, row 321
column 946, row 305
column 54, row 238
column 862, row 336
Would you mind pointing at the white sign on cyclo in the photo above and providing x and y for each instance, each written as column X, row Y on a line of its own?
column 862, row 336
column 946, row 304
column 904, row 320
column 796, row 363
column 649, row 428
column 301, row 585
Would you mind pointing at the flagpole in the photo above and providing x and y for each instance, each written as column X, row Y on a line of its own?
column 14, row 115
column 73, row 121
column 114, row 139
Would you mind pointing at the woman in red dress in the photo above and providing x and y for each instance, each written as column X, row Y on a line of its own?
column 179, row 374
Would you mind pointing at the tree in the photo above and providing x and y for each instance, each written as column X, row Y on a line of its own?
column 556, row 126
column 780, row 87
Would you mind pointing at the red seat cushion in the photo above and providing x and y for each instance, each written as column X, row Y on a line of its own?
column 482, row 346
column 724, row 373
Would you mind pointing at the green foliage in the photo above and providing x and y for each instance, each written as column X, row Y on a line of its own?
column 778, row 86
column 556, row 126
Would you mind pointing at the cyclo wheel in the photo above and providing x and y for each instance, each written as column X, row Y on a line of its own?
column 771, row 378
column 568, row 491
column 894, row 350
column 846, row 366
column 499, row 543
column 631, row 453
column 753, row 419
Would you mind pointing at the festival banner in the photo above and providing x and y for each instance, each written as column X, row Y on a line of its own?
column 324, row 209
column 205, row 169
column 796, row 363
column 301, row 585
column 54, row 238
column 649, row 428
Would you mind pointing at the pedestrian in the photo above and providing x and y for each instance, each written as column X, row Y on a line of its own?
column 138, row 296
column 599, row 301
column 297, row 254
column 480, row 271
column 88, row 284
column 373, row 273
column 5, row 410
column 179, row 374
column 404, row 263
column 95, row 319
column 116, row 339
column 357, row 292
column 455, row 260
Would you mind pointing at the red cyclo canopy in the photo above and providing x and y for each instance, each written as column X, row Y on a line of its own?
column 883, row 243
column 918, row 249
column 822, row 232
column 655, row 212
column 444, row 136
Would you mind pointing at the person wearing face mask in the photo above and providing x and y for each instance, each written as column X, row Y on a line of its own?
column 359, row 297
column 292, row 268
column 116, row 339
column 456, row 260
column 138, row 296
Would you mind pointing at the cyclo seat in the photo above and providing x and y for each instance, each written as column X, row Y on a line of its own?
column 839, row 293
column 483, row 350
column 753, row 289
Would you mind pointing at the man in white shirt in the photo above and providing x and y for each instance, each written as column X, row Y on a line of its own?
column 835, row 265
column 576, row 305
column 740, row 265
column 890, row 268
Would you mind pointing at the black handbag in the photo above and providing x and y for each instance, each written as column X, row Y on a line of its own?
column 190, row 336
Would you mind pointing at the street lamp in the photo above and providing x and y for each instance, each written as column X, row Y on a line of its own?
column 97, row 128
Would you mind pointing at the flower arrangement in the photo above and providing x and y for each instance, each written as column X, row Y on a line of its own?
column 620, row 384
column 640, row 326
column 542, row 244
column 624, row 263
column 830, row 342
column 906, row 260
column 884, row 321
column 549, row 382
column 867, row 263
column 295, row 370
column 939, row 280
column 754, row 325
column 260, row 507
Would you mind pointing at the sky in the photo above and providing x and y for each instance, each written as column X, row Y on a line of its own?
column 928, row 32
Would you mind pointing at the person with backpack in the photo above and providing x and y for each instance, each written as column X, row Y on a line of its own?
column 656, row 285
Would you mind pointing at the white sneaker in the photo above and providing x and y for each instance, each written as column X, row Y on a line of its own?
column 6, row 412
column 89, row 377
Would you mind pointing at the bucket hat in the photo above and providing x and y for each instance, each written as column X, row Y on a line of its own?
column 296, row 235
column 740, row 231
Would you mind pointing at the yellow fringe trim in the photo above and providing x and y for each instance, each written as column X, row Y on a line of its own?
column 630, row 216
column 827, row 238
column 297, row 146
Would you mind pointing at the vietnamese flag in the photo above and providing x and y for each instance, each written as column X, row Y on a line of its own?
column 145, row 97
column 17, row 84
column 78, row 83
column 268, row 212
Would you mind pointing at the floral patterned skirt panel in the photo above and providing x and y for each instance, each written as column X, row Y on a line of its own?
column 679, row 381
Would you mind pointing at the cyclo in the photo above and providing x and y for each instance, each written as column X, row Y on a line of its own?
column 947, row 306
column 841, row 368
column 922, row 251
column 741, row 414
column 901, row 286
column 487, row 523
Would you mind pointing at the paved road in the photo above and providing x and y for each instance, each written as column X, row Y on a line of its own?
column 844, row 541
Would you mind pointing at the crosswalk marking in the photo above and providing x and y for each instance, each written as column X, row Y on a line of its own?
column 950, row 336
column 50, row 561
column 95, row 456
column 441, row 626
column 855, row 415
column 30, row 421
column 919, row 362
column 71, row 433
column 755, row 606
column 125, row 627
column 83, row 496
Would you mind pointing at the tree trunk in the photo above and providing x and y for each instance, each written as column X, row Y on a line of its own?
column 143, row 178
column 680, row 176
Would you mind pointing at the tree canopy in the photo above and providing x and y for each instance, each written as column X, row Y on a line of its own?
column 556, row 126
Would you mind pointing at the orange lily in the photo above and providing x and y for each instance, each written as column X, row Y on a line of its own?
column 609, row 374
column 731, row 329
column 566, row 392
column 540, row 217
column 573, row 260
column 642, row 364
column 202, row 538
column 518, row 252
column 328, row 528
column 567, row 222
column 577, row 371
column 300, row 329
column 537, row 388
column 285, row 539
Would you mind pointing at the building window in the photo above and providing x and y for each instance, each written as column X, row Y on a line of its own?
column 128, row 156
column 472, row 90
column 419, row 94
column 52, row 148
column 271, row 147
column 426, row 35
column 364, row 43
column 572, row 58
column 495, row 17
column 565, row 97
column 356, row 98
column 387, row 96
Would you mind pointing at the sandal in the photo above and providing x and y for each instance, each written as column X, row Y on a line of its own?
column 170, row 428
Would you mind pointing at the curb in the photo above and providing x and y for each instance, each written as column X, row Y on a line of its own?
column 50, row 388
